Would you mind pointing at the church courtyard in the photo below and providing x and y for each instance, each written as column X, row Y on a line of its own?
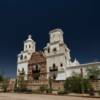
column 13, row 96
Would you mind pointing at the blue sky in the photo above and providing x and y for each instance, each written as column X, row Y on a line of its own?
column 79, row 19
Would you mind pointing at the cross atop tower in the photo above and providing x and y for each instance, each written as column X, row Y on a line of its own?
column 29, row 37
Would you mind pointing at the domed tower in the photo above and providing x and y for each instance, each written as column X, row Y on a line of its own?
column 25, row 55
column 57, row 55
column 29, row 44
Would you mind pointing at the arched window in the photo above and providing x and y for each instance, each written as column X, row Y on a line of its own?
column 36, row 72
column 21, row 57
column 54, row 76
column 54, row 49
column 23, row 70
column 61, row 64
column 36, row 67
column 29, row 46
column 25, row 57
column 26, row 46
column 54, row 66
column 48, row 50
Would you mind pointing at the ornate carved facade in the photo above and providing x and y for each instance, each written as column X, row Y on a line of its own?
column 25, row 55
column 37, row 72
column 38, row 67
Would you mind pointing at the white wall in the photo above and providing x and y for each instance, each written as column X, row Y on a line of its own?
column 23, row 66
column 26, row 53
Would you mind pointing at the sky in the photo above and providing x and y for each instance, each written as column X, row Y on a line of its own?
column 79, row 19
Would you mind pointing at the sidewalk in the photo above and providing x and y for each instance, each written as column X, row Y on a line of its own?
column 83, row 95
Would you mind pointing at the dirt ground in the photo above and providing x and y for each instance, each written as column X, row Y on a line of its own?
column 13, row 96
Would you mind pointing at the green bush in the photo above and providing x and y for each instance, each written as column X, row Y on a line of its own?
column 1, row 78
column 76, row 84
column 43, row 88
column 93, row 72
column 99, row 92
column 22, row 90
column 5, row 85
column 61, row 92
column 48, row 90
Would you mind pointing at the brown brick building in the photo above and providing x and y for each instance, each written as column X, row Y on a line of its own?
column 37, row 72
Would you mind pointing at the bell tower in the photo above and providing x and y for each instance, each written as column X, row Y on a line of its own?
column 56, row 36
column 25, row 55
column 29, row 44
column 57, row 55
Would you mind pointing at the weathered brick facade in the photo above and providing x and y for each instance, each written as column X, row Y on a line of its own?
column 58, row 85
column 37, row 75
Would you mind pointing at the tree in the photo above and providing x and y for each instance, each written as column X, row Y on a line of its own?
column 74, row 84
column 21, row 83
column 5, row 85
column 1, row 78
column 93, row 72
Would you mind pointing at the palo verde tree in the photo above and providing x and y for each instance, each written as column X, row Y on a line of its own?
column 74, row 84
column 93, row 72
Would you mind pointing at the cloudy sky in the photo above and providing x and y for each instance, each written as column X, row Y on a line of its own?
column 79, row 19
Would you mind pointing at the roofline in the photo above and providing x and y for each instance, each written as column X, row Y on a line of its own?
column 55, row 30
column 87, row 64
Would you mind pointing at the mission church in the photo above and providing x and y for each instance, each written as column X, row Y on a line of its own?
column 53, row 62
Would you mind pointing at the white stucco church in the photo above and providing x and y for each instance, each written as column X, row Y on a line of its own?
column 58, row 55
column 25, row 55
column 58, row 58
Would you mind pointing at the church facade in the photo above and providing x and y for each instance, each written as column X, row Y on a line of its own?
column 37, row 71
column 25, row 55
column 56, row 52
column 58, row 55
column 53, row 62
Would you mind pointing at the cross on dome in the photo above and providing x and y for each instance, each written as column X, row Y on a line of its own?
column 30, row 36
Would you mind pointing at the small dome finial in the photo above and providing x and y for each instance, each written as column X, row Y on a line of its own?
column 29, row 36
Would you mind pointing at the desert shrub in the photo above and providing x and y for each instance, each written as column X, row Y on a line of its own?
column 48, row 90
column 99, row 92
column 20, row 90
column 5, row 85
column 29, row 91
column 1, row 78
column 43, row 88
column 76, row 84
column 93, row 72
column 61, row 92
